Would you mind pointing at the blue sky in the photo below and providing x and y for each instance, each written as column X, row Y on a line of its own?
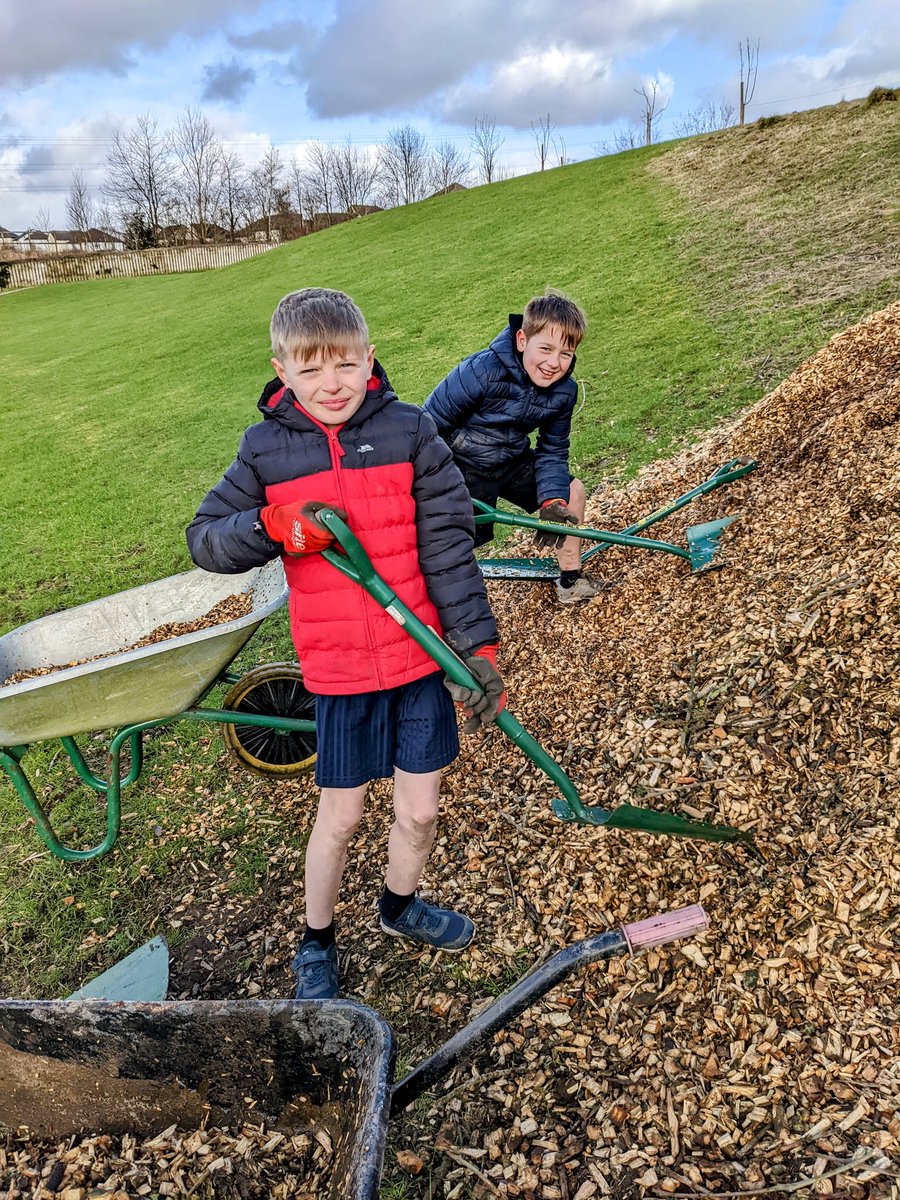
column 280, row 73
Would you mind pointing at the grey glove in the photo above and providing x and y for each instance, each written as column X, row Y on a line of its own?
column 559, row 513
column 481, row 706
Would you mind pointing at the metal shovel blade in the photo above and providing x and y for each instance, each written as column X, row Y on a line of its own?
column 703, row 543
column 142, row 975
column 519, row 568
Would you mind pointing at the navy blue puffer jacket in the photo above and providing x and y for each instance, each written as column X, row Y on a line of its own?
column 487, row 406
column 407, row 504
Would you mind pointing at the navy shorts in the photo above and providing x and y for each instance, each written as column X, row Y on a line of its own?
column 513, row 481
column 364, row 737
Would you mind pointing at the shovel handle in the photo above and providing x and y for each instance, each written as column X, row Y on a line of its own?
column 682, row 923
column 667, row 927
column 356, row 565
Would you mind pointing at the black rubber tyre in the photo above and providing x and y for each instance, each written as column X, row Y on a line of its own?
column 273, row 690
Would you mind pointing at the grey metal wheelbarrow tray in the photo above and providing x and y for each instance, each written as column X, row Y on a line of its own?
column 131, row 686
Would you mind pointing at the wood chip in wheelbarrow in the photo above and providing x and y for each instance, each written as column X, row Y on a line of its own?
column 251, row 1163
column 232, row 608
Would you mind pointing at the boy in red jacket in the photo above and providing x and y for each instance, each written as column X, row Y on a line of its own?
column 334, row 434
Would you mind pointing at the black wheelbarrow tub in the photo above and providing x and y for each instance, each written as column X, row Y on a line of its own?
column 96, row 1067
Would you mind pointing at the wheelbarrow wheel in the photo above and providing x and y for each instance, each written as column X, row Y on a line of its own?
column 274, row 690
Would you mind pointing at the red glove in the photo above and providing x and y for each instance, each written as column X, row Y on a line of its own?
column 481, row 706
column 296, row 527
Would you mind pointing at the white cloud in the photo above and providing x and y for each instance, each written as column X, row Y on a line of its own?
column 574, row 86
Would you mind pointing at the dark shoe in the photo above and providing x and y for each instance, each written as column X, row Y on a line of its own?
column 317, row 972
column 582, row 589
column 438, row 927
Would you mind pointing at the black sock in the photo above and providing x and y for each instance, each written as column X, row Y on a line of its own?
column 325, row 937
column 393, row 905
column 568, row 578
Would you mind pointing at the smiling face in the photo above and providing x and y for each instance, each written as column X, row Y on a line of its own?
column 329, row 384
column 546, row 355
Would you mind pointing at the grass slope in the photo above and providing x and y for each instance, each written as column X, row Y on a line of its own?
column 704, row 268
column 123, row 400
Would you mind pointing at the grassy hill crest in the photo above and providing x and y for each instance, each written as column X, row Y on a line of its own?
column 708, row 268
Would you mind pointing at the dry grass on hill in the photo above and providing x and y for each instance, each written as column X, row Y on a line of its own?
column 827, row 178
column 763, row 695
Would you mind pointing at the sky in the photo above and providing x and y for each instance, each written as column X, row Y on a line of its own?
column 275, row 73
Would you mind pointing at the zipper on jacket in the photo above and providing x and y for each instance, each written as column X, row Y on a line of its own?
column 337, row 452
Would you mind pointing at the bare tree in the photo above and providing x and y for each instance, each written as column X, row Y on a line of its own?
column 354, row 175
column 706, row 118
column 41, row 220
column 486, row 142
column 319, row 177
column 543, row 139
column 623, row 139
column 652, row 112
column 749, row 71
column 265, row 188
column 79, row 208
column 447, row 166
column 403, row 166
column 300, row 193
column 103, row 219
column 199, row 154
column 140, row 171
column 232, row 194
column 559, row 147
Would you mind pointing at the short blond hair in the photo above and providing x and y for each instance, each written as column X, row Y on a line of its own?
column 555, row 308
column 317, row 320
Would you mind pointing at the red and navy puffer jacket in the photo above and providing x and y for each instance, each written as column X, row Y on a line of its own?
column 406, row 502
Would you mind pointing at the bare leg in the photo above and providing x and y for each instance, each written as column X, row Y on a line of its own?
column 569, row 555
column 339, row 814
column 412, row 833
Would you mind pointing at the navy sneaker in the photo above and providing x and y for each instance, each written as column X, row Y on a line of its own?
column 438, row 927
column 317, row 972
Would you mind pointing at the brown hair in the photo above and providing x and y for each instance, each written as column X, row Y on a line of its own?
column 317, row 320
column 555, row 308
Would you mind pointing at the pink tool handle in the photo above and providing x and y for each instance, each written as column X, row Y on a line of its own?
column 667, row 927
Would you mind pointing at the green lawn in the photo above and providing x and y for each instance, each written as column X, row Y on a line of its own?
column 708, row 270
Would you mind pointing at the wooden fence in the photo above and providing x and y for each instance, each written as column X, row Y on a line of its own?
column 68, row 268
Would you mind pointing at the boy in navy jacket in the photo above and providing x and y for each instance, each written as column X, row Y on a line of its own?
column 489, row 405
column 335, row 435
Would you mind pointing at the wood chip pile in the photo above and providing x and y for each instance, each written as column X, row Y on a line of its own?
column 232, row 608
column 763, row 695
column 252, row 1163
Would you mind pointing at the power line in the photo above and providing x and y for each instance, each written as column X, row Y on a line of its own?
column 809, row 95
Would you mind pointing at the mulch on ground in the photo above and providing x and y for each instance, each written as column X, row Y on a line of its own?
column 760, row 1055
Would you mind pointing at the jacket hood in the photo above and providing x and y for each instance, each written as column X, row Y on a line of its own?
column 278, row 402
column 504, row 346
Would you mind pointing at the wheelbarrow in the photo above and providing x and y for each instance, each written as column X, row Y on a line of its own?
column 96, row 1067
column 268, row 715
column 703, row 541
